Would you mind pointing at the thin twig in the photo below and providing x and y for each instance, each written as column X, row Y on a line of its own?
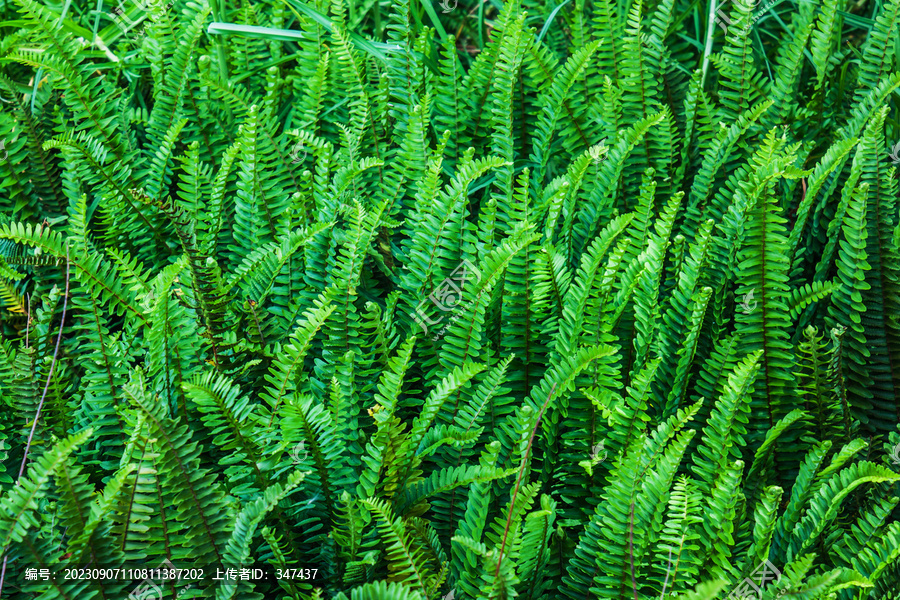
column 28, row 322
column 668, row 573
column 37, row 415
column 512, row 502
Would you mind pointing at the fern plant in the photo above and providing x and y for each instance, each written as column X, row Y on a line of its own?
column 367, row 301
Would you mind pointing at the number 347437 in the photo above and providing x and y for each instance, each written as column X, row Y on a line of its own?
column 296, row 573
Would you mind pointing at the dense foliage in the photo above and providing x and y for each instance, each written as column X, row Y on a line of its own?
column 524, row 299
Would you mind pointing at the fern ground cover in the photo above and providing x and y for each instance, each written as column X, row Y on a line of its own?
column 384, row 299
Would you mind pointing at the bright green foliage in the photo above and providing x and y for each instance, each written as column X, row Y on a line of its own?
column 509, row 299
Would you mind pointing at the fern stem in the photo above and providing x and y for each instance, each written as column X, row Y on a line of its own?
column 631, row 547
column 668, row 574
column 28, row 321
column 220, row 49
column 262, row 341
column 512, row 501
column 37, row 415
column 49, row 375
